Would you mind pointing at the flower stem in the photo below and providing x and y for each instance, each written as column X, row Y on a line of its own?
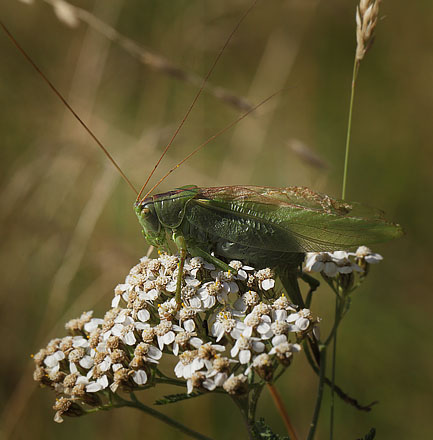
column 282, row 410
column 339, row 307
column 316, row 413
column 135, row 403
column 334, row 357
column 243, row 405
column 349, row 126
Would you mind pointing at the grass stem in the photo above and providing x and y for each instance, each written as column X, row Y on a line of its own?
column 349, row 127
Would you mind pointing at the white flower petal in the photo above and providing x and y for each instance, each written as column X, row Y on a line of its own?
column 340, row 255
column 236, row 333
column 129, row 338
column 263, row 328
column 195, row 302
column 234, row 351
column 209, row 302
column 86, row 362
column 103, row 381
column 278, row 339
column 258, row 346
column 79, row 341
column 168, row 338
column 117, row 330
column 105, row 364
column 244, row 356
column 178, row 369
column 293, row 317
column 196, row 342
column 209, row 384
column 154, row 352
column 302, row 323
column 189, row 325
column 330, row 269
column 233, row 287
column 268, row 284
column 139, row 377
column 93, row 387
column 247, row 332
column 242, row 275
column 280, row 315
column 143, row 315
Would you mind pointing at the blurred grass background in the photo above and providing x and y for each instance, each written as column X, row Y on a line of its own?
column 69, row 233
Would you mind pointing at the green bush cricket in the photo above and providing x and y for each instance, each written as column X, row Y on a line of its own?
column 262, row 226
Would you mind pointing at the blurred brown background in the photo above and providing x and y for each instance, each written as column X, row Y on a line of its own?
column 69, row 233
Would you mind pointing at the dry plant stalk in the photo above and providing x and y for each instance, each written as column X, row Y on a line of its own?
column 367, row 14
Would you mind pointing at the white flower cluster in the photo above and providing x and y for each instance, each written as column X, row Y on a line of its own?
column 332, row 264
column 229, row 326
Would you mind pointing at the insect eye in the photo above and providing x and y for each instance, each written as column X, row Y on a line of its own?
column 145, row 211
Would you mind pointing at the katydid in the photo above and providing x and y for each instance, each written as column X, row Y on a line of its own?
column 262, row 226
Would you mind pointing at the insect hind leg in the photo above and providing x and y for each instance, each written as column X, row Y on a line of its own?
column 196, row 251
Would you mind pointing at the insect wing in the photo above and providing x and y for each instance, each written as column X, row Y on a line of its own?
column 293, row 219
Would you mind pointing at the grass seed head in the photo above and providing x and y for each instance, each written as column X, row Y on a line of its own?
column 367, row 13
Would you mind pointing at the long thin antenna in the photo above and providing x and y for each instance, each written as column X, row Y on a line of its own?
column 60, row 96
column 210, row 140
column 196, row 97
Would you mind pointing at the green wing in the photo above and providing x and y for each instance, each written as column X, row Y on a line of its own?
column 293, row 219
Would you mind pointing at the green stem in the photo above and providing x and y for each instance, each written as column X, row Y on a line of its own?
column 334, row 357
column 339, row 304
column 243, row 405
column 319, row 398
column 349, row 126
column 134, row 403
column 170, row 381
column 255, row 394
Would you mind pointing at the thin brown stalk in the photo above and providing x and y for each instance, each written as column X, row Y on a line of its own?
column 283, row 412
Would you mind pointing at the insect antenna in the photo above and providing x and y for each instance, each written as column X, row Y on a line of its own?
column 68, row 106
column 219, row 133
column 191, row 106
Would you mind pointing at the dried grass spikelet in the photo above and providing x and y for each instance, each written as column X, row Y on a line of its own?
column 65, row 12
column 367, row 13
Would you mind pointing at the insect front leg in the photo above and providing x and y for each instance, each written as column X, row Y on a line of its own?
column 180, row 242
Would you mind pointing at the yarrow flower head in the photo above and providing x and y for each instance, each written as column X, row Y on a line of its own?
column 330, row 263
column 228, row 324
column 340, row 267
column 364, row 254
